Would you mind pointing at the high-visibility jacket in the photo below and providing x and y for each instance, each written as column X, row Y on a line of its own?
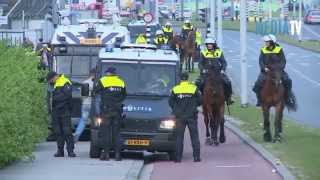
column 271, row 56
column 210, row 58
column 141, row 40
column 62, row 95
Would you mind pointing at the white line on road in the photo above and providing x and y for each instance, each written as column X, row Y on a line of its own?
column 235, row 166
column 310, row 30
column 316, row 83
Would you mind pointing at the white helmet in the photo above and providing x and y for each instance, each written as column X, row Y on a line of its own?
column 168, row 24
column 187, row 21
column 270, row 37
column 211, row 40
column 159, row 32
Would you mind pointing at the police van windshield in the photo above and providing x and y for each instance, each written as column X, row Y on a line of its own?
column 146, row 79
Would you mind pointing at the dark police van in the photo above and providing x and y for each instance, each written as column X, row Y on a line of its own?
column 149, row 74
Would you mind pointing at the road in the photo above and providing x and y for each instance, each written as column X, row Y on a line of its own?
column 302, row 66
column 230, row 161
column 311, row 32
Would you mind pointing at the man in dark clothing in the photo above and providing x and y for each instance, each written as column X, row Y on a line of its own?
column 212, row 57
column 39, row 45
column 113, row 92
column 184, row 100
column 61, row 112
column 270, row 54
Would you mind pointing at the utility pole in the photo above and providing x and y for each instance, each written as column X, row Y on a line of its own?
column 270, row 10
column 300, row 20
column 294, row 9
column 212, row 17
column 219, row 12
column 182, row 8
column 243, row 54
column 197, row 9
column 156, row 13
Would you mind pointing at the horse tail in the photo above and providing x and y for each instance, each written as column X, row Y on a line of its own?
column 291, row 102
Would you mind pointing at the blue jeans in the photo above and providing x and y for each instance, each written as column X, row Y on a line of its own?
column 85, row 111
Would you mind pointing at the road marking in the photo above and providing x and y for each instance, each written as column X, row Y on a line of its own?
column 310, row 30
column 235, row 166
column 316, row 83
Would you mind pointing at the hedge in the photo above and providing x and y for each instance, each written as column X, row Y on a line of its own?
column 23, row 114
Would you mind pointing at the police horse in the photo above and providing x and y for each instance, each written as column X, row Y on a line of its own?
column 213, row 107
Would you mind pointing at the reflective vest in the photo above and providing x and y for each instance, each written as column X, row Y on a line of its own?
column 276, row 50
column 167, row 30
column 61, row 81
column 141, row 40
column 160, row 40
column 112, row 81
column 185, row 27
column 198, row 38
column 184, row 87
column 211, row 54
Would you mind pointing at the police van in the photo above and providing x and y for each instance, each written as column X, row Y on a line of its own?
column 76, row 49
column 139, row 26
column 149, row 74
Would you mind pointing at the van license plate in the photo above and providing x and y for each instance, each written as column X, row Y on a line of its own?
column 138, row 142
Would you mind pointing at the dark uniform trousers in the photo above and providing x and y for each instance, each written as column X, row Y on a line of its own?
column 262, row 77
column 109, row 131
column 192, row 125
column 61, row 124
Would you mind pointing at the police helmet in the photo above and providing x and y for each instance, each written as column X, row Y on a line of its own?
column 211, row 40
column 270, row 37
column 187, row 21
column 159, row 32
column 184, row 76
column 168, row 24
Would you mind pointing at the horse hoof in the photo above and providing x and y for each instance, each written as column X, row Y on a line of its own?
column 208, row 141
column 267, row 138
column 222, row 139
column 216, row 143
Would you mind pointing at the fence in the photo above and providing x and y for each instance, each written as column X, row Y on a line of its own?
column 273, row 27
column 15, row 37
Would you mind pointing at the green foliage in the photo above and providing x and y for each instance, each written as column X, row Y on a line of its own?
column 23, row 117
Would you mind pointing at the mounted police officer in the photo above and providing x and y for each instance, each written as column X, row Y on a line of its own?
column 212, row 56
column 113, row 92
column 168, row 31
column 160, row 39
column 272, row 53
column 141, row 39
column 186, row 28
column 61, row 112
column 184, row 100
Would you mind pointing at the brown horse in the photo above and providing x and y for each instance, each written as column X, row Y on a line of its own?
column 178, row 43
column 190, row 51
column 273, row 94
column 213, row 107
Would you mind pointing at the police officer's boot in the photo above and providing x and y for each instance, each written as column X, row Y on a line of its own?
column 197, row 159
column 59, row 153
column 118, row 156
column 72, row 154
column 104, row 156
column 228, row 91
column 256, row 89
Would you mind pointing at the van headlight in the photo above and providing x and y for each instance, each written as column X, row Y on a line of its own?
column 168, row 124
column 98, row 121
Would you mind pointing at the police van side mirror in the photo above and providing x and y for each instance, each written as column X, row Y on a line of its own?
column 85, row 89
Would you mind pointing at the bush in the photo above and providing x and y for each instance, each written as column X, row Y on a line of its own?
column 23, row 114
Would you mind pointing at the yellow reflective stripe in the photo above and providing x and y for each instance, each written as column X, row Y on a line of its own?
column 198, row 38
column 185, row 87
column 276, row 50
column 112, row 81
column 168, row 30
column 186, row 27
column 157, row 40
column 61, row 81
column 212, row 54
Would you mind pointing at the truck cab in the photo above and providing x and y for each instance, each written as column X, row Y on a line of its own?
column 149, row 74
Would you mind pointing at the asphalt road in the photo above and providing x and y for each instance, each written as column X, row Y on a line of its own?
column 311, row 32
column 230, row 161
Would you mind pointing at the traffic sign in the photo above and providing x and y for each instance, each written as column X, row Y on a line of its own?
column 148, row 17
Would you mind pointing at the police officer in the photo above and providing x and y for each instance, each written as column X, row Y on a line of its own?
column 141, row 39
column 61, row 112
column 160, row 39
column 272, row 53
column 186, row 28
column 168, row 31
column 198, row 39
column 184, row 100
column 212, row 56
column 113, row 92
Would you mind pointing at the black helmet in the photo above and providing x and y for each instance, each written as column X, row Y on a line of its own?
column 184, row 76
column 51, row 75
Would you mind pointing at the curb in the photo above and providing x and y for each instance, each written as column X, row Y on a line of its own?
column 135, row 170
column 280, row 168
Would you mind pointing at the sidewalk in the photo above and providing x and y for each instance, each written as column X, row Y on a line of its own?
column 45, row 166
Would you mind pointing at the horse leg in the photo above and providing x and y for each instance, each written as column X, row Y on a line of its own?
column 278, row 123
column 266, row 124
column 214, row 133
column 206, row 122
column 192, row 61
column 211, row 124
column 222, row 138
